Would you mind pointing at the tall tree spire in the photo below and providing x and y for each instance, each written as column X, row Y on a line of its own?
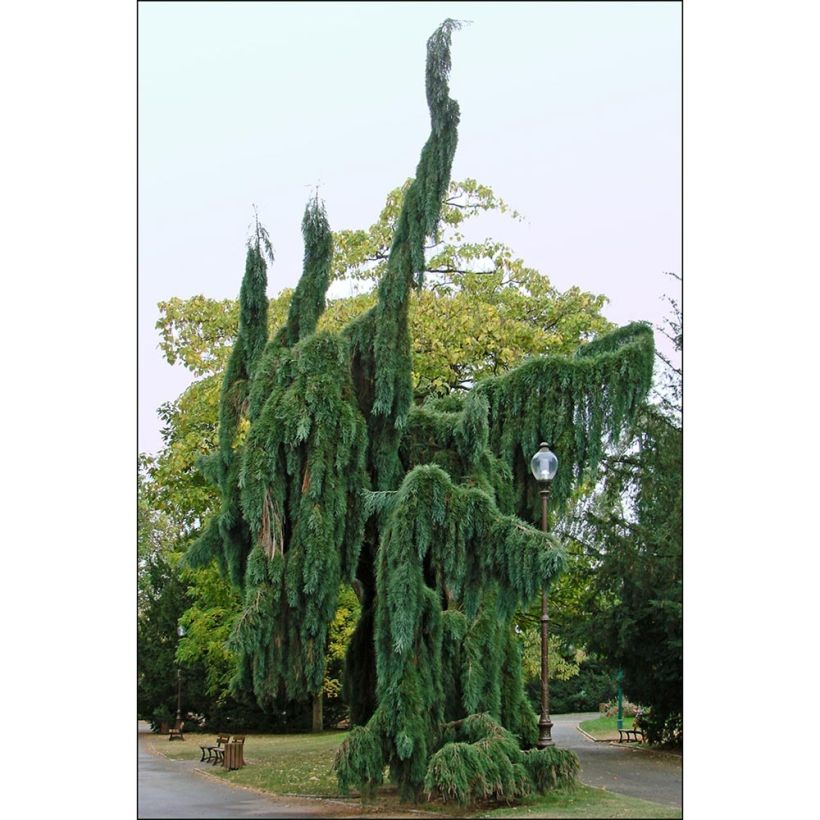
column 308, row 302
column 418, row 220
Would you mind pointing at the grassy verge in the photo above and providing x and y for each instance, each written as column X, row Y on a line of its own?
column 584, row 801
column 301, row 765
column 605, row 728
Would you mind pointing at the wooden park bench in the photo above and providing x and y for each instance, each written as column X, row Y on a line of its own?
column 221, row 740
column 634, row 731
column 176, row 732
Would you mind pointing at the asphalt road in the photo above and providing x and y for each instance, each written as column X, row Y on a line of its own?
column 172, row 789
column 655, row 776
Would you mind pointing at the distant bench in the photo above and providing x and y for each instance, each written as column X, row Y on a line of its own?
column 636, row 730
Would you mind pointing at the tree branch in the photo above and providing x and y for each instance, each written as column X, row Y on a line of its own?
column 458, row 270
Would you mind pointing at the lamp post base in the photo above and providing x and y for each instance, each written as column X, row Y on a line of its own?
column 545, row 737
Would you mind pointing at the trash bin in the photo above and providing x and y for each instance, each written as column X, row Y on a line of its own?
column 233, row 758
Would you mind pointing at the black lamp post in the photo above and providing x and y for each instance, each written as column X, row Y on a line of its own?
column 180, row 634
column 544, row 466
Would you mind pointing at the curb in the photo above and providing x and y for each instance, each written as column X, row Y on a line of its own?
column 642, row 747
column 588, row 736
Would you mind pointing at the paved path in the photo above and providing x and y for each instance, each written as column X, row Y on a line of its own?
column 655, row 776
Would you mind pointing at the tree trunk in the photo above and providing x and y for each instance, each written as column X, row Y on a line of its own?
column 360, row 670
column 318, row 719
column 359, row 689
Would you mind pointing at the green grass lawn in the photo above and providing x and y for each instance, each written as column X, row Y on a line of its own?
column 584, row 801
column 605, row 728
column 302, row 765
column 289, row 764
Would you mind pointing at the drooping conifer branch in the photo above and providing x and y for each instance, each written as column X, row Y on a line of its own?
column 576, row 403
column 478, row 760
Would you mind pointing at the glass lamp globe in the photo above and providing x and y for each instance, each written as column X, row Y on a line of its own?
column 544, row 464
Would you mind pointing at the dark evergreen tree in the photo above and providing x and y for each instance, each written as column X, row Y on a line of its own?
column 163, row 599
column 340, row 477
column 632, row 528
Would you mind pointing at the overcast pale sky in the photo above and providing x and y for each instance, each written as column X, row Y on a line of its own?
column 570, row 111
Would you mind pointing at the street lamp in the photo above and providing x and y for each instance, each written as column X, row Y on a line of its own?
column 180, row 634
column 544, row 466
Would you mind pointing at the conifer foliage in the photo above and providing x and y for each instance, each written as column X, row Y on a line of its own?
column 329, row 473
column 226, row 538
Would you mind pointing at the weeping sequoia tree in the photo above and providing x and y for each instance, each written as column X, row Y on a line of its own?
column 329, row 473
